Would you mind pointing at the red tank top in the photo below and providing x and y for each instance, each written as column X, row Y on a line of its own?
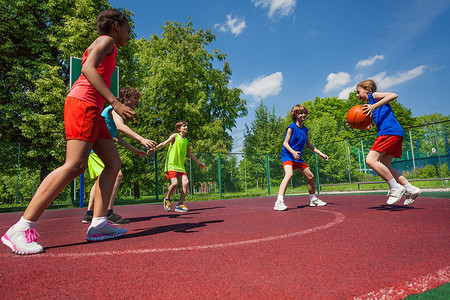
column 83, row 90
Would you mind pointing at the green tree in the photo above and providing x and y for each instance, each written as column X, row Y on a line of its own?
column 39, row 38
column 180, row 82
column 266, row 132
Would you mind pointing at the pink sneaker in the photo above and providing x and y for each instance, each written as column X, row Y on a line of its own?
column 22, row 242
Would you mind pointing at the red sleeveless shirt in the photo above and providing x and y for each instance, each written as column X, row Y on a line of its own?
column 83, row 90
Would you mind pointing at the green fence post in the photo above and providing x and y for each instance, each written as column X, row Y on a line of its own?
column 72, row 191
column 190, row 177
column 220, row 179
column 18, row 172
column 317, row 174
column 268, row 174
column 347, row 150
column 156, row 177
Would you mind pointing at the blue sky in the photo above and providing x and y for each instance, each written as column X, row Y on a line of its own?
column 289, row 51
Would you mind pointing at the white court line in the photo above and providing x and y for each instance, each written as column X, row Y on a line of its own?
column 411, row 287
column 339, row 218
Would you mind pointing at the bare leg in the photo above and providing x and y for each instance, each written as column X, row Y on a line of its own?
column 380, row 162
column 77, row 153
column 172, row 187
column 310, row 179
column 288, row 172
column 387, row 160
column 91, row 197
column 106, row 150
column 184, row 187
column 115, row 190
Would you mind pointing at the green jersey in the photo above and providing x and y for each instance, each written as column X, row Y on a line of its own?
column 176, row 155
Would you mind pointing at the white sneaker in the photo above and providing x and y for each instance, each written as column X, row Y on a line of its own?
column 22, row 242
column 105, row 232
column 395, row 195
column 317, row 202
column 411, row 196
column 279, row 205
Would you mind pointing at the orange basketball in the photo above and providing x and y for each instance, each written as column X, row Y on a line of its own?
column 357, row 119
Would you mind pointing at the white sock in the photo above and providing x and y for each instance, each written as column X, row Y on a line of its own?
column 393, row 184
column 280, row 199
column 409, row 187
column 98, row 222
column 312, row 197
column 24, row 224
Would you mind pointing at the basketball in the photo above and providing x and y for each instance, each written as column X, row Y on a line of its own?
column 356, row 118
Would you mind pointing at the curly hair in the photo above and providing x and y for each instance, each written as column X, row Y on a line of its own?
column 127, row 93
column 107, row 18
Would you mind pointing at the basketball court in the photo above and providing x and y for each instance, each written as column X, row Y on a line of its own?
column 356, row 247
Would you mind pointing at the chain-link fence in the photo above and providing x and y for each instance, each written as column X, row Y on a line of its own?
column 424, row 161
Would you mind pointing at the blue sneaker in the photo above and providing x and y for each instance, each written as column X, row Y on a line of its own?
column 105, row 232
column 181, row 208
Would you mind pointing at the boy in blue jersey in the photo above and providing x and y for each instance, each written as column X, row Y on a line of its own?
column 388, row 143
column 295, row 140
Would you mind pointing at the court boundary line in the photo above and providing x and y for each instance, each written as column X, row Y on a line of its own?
column 411, row 287
column 339, row 218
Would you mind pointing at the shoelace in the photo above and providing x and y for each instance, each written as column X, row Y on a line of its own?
column 31, row 235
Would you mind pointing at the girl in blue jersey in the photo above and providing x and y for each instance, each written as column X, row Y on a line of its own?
column 388, row 143
column 295, row 140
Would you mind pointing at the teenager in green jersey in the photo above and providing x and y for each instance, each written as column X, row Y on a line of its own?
column 174, row 166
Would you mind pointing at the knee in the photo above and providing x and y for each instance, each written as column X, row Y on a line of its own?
column 76, row 169
column 310, row 177
column 288, row 175
column 370, row 162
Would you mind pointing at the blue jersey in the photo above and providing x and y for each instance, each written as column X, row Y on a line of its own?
column 384, row 118
column 109, row 121
column 297, row 142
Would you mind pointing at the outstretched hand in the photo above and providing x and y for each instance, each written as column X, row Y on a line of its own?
column 126, row 112
column 149, row 144
column 140, row 153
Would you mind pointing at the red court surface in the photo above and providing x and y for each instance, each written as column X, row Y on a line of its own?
column 355, row 248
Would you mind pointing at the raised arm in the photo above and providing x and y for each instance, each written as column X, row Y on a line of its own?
column 381, row 99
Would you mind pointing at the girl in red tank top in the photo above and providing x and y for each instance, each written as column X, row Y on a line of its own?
column 85, row 130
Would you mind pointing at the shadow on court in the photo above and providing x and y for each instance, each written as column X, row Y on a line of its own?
column 173, row 215
column 182, row 228
column 393, row 207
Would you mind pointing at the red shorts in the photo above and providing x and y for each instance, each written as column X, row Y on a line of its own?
column 175, row 174
column 83, row 121
column 296, row 165
column 390, row 144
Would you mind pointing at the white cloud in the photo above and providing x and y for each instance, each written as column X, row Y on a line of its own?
column 280, row 8
column 384, row 82
column 369, row 61
column 235, row 25
column 263, row 86
column 346, row 92
column 336, row 81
